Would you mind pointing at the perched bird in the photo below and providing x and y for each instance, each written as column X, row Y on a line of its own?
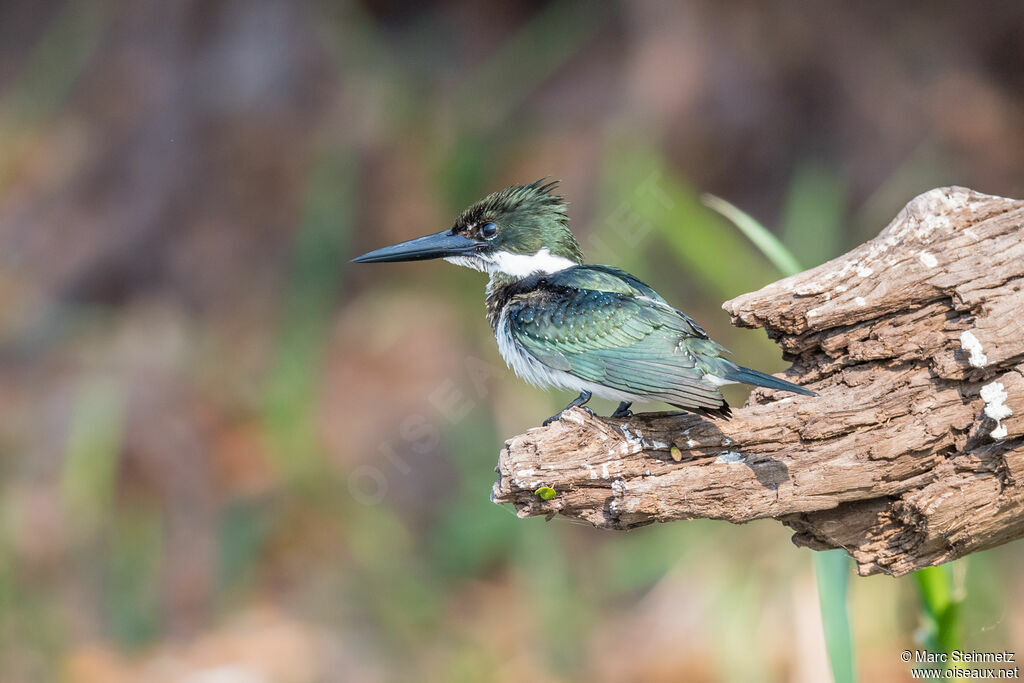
column 592, row 329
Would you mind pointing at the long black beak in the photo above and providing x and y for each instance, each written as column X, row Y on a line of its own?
column 430, row 246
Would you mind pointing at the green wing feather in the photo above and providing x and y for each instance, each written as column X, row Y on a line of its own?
column 590, row 322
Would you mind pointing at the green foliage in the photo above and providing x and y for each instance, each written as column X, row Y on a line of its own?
column 545, row 493
column 832, row 570
column 940, row 605
column 769, row 244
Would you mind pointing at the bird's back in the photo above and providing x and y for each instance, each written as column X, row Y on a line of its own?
column 600, row 329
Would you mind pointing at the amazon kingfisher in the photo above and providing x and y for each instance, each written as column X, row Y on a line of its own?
column 591, row 329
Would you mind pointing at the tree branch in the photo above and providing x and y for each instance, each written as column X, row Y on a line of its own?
column 915, row 343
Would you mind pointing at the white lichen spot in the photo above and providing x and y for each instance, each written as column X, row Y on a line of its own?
column 927, row 259
column 525, row 473
column 864, row 271
column 729, row 457
column 590, row 468
column 994, row 396
column 632, row 437
column 635, row 441
column 973, row 235
column 841, row 288
column 690, row 443
column 860, row 301
column 604, row 470
column 619, row 487
column 971, row 344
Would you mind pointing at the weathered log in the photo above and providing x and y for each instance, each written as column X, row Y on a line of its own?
column 912, row 455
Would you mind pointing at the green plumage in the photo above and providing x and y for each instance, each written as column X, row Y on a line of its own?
column 590, row 321
column 592, row 329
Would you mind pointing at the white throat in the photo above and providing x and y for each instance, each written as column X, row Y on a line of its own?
column 514, row 265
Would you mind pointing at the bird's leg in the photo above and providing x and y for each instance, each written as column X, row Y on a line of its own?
column 575, row 403
column 623, row 410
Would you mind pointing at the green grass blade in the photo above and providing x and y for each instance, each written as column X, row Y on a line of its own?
column 832, row 570
column 940, row 604
column 768, row 243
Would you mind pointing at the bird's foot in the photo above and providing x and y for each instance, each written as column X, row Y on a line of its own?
column 557, row 416
column 575, row 403
column 623, row 410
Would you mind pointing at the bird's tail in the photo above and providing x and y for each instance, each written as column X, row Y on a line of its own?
column 760, row 379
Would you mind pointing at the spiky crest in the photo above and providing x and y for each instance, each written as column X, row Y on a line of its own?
column 529, row 218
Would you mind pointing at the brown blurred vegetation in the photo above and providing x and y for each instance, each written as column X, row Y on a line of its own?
column 226, row 451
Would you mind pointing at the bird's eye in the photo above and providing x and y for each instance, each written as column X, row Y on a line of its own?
column 488, row 230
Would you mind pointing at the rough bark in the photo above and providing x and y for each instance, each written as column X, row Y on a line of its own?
column 915, row 343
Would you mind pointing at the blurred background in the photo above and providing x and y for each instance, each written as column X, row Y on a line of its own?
column 228, row 454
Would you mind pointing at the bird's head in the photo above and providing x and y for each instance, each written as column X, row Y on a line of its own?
column 514, row 232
